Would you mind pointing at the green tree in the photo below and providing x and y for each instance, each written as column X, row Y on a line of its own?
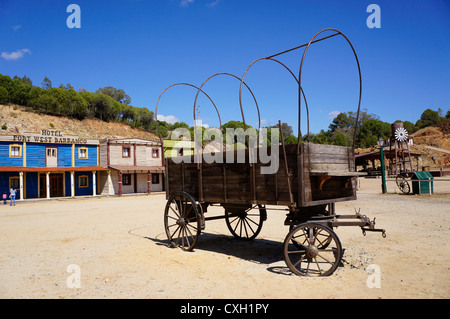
column 428, row 117
column 4, row 95
column 340, row 139
column 102, row 106
column 342, row 121
column 45, row 103
column 291, row 139
column 19, row 92
column 117, row 94
column 410, row 127
column 46, row 83
column 371, row 130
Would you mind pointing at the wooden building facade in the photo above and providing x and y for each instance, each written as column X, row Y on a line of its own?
column 135, row 165
column 49, row 164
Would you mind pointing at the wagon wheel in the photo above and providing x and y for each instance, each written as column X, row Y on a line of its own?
column 403, row 185
column 244, row 224
column 297, row 244
column 182, row 221
column 317, row 251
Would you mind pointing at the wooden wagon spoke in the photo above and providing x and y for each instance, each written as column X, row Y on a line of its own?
column 328, row 261
column 297, row 263
column 246, row 221
column 318, row 266
column 176, row 213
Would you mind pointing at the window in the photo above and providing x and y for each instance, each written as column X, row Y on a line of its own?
column 126, row 151
column 14, row 182
column 83, row 181
column 155, row 178
column 155, row 153
column 83, row 153
column 126, row 179
column 15, row 150
column 51, row 152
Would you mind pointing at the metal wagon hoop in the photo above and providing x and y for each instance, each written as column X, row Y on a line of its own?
column 359, row 73
column 290, row 71
column 188, row 84
column 242, row 110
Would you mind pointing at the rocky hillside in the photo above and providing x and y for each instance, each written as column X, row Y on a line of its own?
column 16, row 120
column 434, row 145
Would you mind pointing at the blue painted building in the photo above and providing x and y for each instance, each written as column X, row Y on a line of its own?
column 50, row 164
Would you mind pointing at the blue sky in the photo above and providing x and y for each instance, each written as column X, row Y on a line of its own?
column 143, row 46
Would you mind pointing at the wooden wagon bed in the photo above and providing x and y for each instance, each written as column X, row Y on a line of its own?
column 319, row 174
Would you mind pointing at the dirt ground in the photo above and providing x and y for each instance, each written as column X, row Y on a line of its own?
column 121, row 250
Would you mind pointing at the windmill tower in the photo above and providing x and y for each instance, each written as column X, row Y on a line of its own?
column 401, row 162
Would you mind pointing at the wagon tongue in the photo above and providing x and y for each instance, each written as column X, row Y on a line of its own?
column 369, row 225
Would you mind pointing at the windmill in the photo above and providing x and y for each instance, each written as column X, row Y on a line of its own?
column 400, row 162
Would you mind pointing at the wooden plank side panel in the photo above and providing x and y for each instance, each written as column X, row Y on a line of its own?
column 327, row 174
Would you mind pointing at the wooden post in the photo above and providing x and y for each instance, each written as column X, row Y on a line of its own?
column 110, row 184
column 120, row 183
column 72, row 184
column 149, row 183
column 47, row 179
column 94, row 183
column 21, row 185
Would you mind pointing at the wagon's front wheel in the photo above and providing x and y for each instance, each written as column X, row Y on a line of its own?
column 245, row 222
column 312, row 249
column 182, row 221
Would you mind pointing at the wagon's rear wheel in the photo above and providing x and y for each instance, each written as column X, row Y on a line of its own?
column 245, row 222
column 182, row 221
column 312, row 249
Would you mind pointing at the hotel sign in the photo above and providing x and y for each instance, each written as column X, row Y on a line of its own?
column 49, row 136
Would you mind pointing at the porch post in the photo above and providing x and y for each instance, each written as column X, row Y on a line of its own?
column 94, row 183
column 72, row 184
column 120, row 183
column 149, row 183
column 21, row 185
column 110, row 184
column 47, row 177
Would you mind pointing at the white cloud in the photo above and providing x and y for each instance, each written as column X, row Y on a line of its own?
column 186, row 3
column 213, row 4
column 171, row 119
column 332, row 115
column 16, row 27
column 15, row 55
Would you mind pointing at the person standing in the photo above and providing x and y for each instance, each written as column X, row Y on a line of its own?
column 5, row 197
column 12, row 196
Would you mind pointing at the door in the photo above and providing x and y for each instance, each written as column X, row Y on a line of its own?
column 56, row 185
column 42, row 186
column 51, row 157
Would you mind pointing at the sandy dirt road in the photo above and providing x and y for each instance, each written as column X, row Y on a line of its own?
column 121, row 250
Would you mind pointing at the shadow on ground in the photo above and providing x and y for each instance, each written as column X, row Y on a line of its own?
column 259, row 251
